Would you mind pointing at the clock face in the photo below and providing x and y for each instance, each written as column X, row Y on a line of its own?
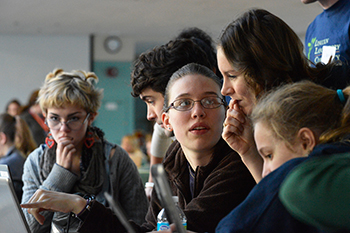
column 112, row 44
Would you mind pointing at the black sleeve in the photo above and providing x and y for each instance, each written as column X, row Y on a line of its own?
column 102, row 219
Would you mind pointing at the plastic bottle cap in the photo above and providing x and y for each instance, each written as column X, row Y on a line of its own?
column 175, row 199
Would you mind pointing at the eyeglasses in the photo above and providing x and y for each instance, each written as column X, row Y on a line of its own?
column 187, row 104
column 72, row 124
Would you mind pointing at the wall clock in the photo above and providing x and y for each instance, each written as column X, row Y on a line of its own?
column 112, row 44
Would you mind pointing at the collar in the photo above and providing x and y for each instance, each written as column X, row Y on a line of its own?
column 10, row 151
column 175, row 162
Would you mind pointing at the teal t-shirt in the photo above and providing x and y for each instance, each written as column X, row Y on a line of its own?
column 318, row 192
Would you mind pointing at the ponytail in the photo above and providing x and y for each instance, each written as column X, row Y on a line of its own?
column 339, row 133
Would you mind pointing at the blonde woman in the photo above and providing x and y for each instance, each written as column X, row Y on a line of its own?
column 76, row 157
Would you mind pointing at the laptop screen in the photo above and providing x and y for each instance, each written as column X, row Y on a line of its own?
column 165, row 196
column 11, row 216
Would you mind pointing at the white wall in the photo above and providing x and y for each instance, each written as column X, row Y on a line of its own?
column 25, row 61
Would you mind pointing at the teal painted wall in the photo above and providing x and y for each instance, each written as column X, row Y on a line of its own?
column 116, row 115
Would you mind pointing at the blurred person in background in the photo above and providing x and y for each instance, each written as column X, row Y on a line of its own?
column 16, row 142
column 13, row 107
column 33, row 115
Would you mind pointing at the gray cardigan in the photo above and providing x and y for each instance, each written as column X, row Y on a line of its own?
column 123, row 182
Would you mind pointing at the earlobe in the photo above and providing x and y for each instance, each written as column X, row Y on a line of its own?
column 165, row 120
column 307, row 138
column 3, row 138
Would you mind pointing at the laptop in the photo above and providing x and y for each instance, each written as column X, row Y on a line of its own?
column 118, row 210
column 11, row 216
column 164, row 194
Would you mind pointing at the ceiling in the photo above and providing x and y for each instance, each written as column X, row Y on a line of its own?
column 145, row 20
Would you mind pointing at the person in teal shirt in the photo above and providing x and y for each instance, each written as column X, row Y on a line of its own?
column 317, row 192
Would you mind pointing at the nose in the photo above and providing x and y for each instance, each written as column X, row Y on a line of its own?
column 226, row 88
column 64, row 127
column 266, row 170
column 151, row 115
column 198, row 110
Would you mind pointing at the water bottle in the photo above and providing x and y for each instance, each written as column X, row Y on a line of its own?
column 162, row 221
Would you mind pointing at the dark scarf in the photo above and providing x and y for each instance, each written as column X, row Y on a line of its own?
column 92, row 166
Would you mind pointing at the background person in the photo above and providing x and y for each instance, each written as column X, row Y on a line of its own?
column 203, row 40
column 330, row 28
column 33, row 116
column 317, row 191
column 131, row 146
column 16, row 142
column 148, row 143
column 24, row 139
column 13, row 107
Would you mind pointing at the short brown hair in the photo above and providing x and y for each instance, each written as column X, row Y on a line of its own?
column 154, row 68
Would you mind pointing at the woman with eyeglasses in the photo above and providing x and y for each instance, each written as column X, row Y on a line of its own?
column 208, row 177
column 76, row 157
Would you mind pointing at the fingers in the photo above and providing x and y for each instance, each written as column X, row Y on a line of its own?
column 64, row 153
column 33, row 209
column 45, row 200
column 235, row 111
column 36, row 213
column 232, row 102
column 30, row 205
column 235, row 119
column 237, row 128
column 40, row 218
column 234, row 126
column 34, row 206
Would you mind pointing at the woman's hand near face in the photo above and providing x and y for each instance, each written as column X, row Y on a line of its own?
column 237, row 130
column 44, row 200
column 239, row 136
column 64, row 153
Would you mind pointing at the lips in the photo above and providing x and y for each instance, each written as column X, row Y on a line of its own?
column 62, row 138
column 199, row 127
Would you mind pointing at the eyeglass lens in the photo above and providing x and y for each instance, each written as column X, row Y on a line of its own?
column 73, row 124
column 187, row 104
